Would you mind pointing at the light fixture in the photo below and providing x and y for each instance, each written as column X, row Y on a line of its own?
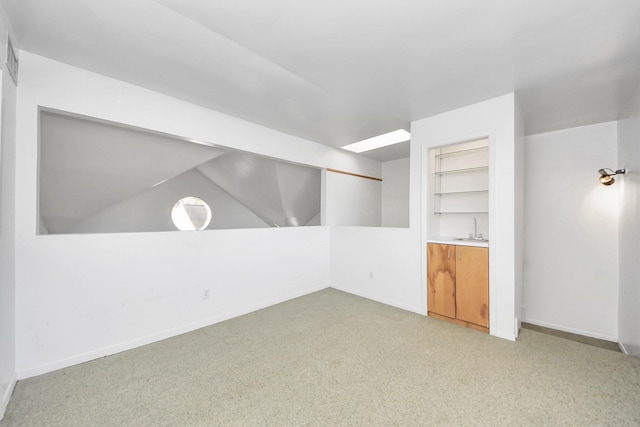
column 606, row 175
column 379, row 141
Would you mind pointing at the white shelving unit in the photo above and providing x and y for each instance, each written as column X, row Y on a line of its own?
column 461, row 187
column 461, row 180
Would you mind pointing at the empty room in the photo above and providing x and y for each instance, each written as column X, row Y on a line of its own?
column 421, row 212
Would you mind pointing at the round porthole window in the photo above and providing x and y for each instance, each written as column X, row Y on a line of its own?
column 191, row 213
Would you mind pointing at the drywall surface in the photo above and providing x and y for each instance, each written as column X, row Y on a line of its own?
column 629, row 260
column 7, row 232
column 395, row 193
column 571, row 231
column 93, row 295
column 495, row 119
column 79, row 297
column 381, row 263
column 351, row 200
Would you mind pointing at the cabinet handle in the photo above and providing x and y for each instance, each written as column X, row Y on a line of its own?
column 449, row 254
column 459, row 255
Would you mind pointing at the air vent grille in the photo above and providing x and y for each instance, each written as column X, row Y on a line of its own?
column 12, row 61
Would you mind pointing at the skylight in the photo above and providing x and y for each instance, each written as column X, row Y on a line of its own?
column 379, row 141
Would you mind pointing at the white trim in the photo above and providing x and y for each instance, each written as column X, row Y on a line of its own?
column 629, row 349
column 571, row 330
column 7, row 395
column 149, row 339
column 622, row 348
column 424, row 225
column 380, row 300
column 494, row 295
column 507, row 335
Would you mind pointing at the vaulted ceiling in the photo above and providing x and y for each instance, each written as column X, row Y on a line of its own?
column 337, row 71
column 95, row 176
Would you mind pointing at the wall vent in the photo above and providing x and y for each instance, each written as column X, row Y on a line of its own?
column 12, row 61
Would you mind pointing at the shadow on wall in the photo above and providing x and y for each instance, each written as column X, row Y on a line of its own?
column 104, row 177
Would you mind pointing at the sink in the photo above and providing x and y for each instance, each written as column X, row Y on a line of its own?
column 470, row 239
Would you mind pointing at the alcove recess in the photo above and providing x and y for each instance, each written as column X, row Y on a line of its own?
column 459, row 189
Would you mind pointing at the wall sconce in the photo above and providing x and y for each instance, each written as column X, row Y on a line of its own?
column 606, row 175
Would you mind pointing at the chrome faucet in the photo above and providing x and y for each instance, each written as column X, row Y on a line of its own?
column 475, row 234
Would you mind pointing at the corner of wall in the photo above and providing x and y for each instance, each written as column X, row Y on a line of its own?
column 7, row 395
column 629, row 229
column 520, row 163
column 506, row 335
column 8, row 376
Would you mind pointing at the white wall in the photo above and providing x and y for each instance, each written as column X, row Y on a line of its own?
column 571, row 231
column 395, row 193
column 629, row 156
column 7, row 234
column 397, row 257
column 357, row 201
column 351, row 200
column 495, row 119
column 379, row 263
column 80, row 297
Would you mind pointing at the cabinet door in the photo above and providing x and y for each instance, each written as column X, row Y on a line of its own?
column 441, row 278
column 472, row 285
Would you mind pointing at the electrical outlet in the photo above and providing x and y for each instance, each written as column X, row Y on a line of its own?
column 206, row 293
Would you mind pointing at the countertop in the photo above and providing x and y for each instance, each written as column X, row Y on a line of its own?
column 452, row 241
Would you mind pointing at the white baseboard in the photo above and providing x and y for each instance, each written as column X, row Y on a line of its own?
column 622, row 348
column 377, row 299
column 629, row 349
column 500, row 334
column 149, row 339
column 571, row 330
column 7, row 395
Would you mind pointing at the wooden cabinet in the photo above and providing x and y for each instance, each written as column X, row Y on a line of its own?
column 441, row 277
column 458, row 284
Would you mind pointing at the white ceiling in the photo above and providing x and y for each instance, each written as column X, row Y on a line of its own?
column 337, row 71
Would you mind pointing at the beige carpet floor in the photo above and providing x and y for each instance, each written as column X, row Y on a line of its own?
column 330, row 358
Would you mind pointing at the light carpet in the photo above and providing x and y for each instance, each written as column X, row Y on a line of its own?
column 331, row 358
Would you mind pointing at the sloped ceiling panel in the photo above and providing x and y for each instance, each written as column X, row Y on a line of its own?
column 281, row 194
column 151, row 209
column 104, row 177
column 87, row 166
column 299, row 192
column 336, row 72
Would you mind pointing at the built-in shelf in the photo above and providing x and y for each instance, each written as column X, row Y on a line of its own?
column 465, row 170
column 446, row 193
column 461, row 213
column 462, row 152
column 459, row 191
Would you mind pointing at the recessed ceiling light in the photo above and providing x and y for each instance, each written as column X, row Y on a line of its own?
column 379, row 141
